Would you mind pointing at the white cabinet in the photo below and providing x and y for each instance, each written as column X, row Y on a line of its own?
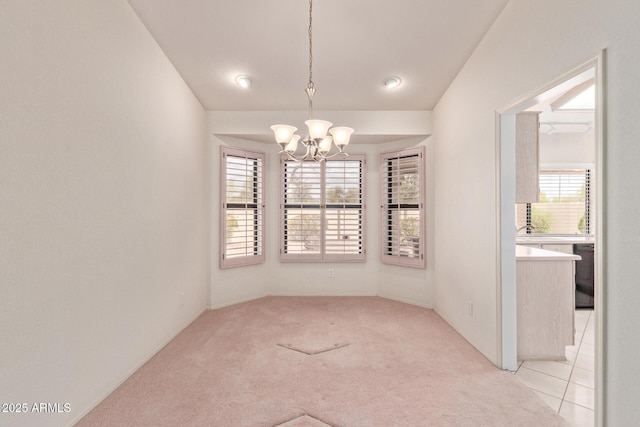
column 545, row 289
column 527, row 126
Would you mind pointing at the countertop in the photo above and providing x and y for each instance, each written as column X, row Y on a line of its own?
column 535, row 254
column 557, row 240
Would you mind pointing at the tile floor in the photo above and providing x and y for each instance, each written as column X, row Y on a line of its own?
column 567, row 386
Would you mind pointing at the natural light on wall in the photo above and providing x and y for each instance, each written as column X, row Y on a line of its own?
column 586, row 100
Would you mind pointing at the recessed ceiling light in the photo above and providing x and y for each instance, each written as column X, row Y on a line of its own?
column 391, row 82
column 243, row 81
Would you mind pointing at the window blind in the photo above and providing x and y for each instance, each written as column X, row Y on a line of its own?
column 564, row 206
column 344, row 207
column 403, row 207
column 242, row 222
column 323, row 210
column 302, row 198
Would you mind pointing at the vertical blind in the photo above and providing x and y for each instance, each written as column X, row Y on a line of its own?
column 403, row 208
column 323, row 210
column 243, row 207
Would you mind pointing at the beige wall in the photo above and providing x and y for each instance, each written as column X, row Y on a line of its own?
column 531, row 44
column 101, row 203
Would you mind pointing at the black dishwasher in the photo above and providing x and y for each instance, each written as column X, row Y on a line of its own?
column 584, row 275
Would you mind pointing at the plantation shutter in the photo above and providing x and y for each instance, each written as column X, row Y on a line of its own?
column 402, row 207
column 323, row 210
column 302, row 198
column 242, row 219
column 344, row 214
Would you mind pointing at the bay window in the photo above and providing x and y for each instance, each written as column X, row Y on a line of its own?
column 323, row 210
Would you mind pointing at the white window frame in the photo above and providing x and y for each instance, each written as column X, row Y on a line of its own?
column 254, row 228
column 321, row 206
column 395, row 249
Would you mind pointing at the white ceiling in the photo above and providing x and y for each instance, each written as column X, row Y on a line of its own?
column 562, row 120
column 356, row 44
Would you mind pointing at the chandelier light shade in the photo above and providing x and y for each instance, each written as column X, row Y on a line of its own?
column 292, row 146
column 318, row 128
column 341, row 136
column 316, row 145
column 283, row 134
column 325, row 145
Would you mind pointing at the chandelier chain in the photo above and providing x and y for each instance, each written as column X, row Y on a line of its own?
column 310, row 44
column 310, row 89
column 316, row 145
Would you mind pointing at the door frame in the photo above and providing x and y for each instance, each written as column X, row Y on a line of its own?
column 505, row 227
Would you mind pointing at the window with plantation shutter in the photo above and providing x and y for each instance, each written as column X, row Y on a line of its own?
column 402, row 184
column 242, row 216
column 322, row 210
column 564, row 205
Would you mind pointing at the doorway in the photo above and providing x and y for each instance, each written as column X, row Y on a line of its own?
column 506, row 129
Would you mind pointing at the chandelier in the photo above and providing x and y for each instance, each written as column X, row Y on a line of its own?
column 317, row 144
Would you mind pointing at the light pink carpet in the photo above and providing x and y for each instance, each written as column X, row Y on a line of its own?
column 316, row 361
